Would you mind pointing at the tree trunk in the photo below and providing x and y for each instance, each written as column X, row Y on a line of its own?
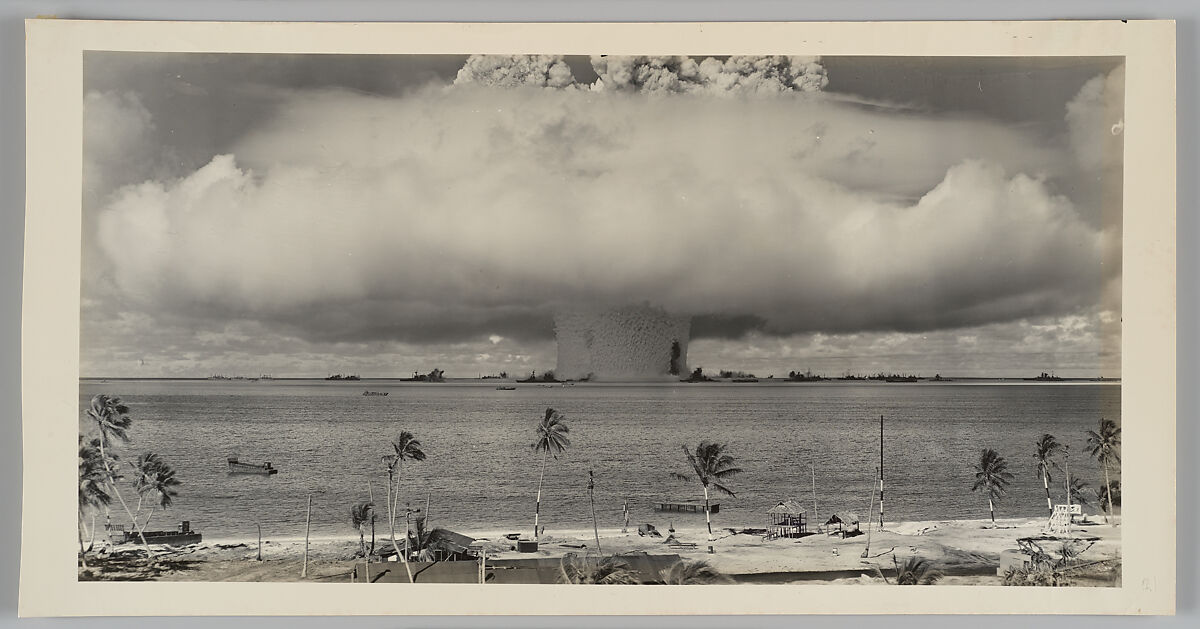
column 390, row 512
column 537, row 509
column 112, row 483
column 393, row 505
column 372, row 533
column 1108, row 488
column 92, row 535
column 362, row 541
column 82, row 552
column 142, row 531
column 1046, row 484
column 992, row 509
column 708, row 520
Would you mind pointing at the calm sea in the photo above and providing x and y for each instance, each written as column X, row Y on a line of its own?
column 481, row 473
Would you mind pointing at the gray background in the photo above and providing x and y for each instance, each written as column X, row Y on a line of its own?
column 12, row 178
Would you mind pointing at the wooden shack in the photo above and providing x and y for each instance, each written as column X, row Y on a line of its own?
column 786, row 519
column 844, row 523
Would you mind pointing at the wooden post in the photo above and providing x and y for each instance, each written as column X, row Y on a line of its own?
column 259, row 540
column 813, row 469
column 880, row 471
column 307, row 527
column 592, row 499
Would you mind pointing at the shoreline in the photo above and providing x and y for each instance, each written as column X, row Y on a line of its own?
column 965, row 551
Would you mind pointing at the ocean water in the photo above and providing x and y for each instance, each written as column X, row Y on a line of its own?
column 326, row 439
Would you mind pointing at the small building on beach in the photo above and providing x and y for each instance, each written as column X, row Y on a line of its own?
column 786, row 519
column 844, row 523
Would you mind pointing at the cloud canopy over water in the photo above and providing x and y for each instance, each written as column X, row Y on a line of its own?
column 731, row 189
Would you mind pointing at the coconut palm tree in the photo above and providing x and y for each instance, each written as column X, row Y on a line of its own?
column 112, row 420
column 605, row 571
column 93, row 482
column 991, row 475
column 1102, row 495
column 551, row 441
column 1078, row 489
column 154, row 481
column 1105, row 447
column 693, row 573
column 361, row 515
column 711, row 466
column 916, row 571
column 1043, row 456
column 404, row 448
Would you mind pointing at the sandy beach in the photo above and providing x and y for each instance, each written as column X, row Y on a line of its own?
column 965, row 551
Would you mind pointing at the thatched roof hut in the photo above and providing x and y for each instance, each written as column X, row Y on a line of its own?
column 786, row 519
column 846, row 522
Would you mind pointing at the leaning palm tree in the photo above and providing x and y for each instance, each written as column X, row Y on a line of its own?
column 991, row 475
column 1043, row 456
column 361, row 515
column 155, row 483
column 551, row 441
column 693, row 573
column 916, row 571
column 92, row 489
column 404, row 448
column 604, row 571
column 711, row 466
column 1105, row 447
column 1078, row 489
column 112, row 420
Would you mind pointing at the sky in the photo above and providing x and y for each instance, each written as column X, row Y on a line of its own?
column 304, row 215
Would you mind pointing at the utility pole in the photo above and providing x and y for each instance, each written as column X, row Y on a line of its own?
column 881, row 471
column 307, row 526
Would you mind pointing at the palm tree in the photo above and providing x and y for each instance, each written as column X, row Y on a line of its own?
column 404, row 448
column 361, row 515
column 916, row 571
column 112, row 420
column 1043, row 456
column 1078, row 489
column 92, row 486
column 711, row 466
column 551, row 440
column 605, row 571
column 154, row 480
column 1102, row 495
column 991, row 474
column 1105, row 447
column 693, row 573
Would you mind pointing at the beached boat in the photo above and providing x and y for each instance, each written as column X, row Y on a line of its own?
column 375, row 393
column 182, row 537
column 238, row 467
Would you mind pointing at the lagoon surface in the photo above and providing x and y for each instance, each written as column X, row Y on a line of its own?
column 326, row 438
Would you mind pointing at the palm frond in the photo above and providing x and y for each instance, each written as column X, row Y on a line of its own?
column 723, row 489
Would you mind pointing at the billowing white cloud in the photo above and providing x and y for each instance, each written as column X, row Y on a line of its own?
column 515, row 71
column 472, row 211
column 1096, row 121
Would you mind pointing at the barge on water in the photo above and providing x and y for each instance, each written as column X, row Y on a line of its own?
column 237, row 467
column 686, row 507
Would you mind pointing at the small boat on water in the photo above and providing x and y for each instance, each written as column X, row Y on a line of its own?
column 375, row 393
column 238, row 467
column 505, row 388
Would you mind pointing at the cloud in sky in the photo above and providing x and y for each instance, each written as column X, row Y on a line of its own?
column 449, row 214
